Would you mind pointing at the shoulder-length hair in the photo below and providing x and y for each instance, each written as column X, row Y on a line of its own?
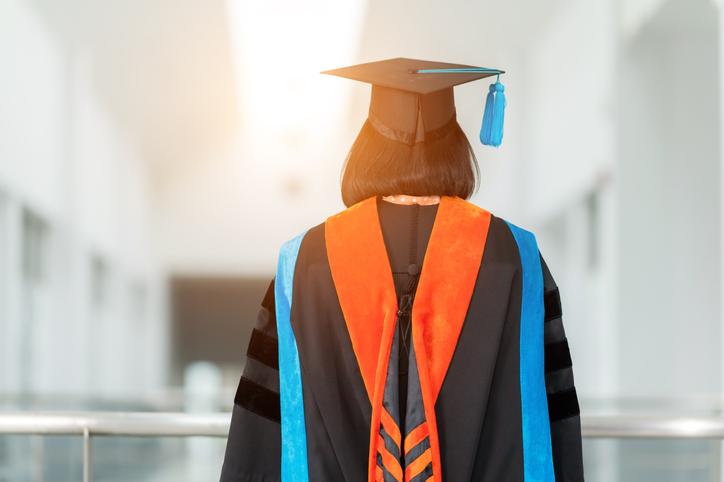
column 379, row 166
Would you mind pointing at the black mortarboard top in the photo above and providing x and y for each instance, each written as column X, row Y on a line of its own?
column 413, row 99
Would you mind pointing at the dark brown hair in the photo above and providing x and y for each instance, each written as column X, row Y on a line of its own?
column 379, row 166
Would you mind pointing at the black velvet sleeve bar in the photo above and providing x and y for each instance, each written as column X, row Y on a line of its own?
column 563, row 408
column 253, row 449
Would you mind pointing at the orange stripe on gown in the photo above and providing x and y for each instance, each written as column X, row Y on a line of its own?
column 391, row 427
column 416, row 436
column 363, row 280
column 388, row 460
column 418, row 465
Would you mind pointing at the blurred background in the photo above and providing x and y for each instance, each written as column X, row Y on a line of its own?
column 155, row 154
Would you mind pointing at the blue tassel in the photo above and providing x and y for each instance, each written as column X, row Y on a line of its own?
column 491, row 131
column 496, row 137
column 485, row 128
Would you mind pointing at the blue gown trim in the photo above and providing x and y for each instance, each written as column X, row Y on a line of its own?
column 294, row 432
column 537, row 451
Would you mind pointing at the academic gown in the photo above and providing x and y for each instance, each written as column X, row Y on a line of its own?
column 408, row 343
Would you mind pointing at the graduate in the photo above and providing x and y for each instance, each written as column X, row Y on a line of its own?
column 413, row 336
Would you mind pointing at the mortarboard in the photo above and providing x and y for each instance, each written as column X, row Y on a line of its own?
column 412, row 100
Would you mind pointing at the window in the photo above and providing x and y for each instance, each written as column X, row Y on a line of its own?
column 35, row 261
column 34, row 258
column 5, row 272
column 593, row 231
column 100, row 282
column 137, row 300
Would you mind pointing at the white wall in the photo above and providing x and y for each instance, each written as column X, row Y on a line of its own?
column 62, row 158
column 565, row 174
column 669, row 212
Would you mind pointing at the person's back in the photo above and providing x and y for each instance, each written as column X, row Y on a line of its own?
column 407, row 342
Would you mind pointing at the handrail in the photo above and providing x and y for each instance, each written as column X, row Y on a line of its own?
column 652, row 427
column 141, row 424
column 172, row 424
column 169, row 424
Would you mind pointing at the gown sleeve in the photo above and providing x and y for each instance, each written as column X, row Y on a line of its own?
column 253, row 448
column 563, row 408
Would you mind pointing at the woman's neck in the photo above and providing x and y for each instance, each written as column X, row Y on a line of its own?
column 407, row 199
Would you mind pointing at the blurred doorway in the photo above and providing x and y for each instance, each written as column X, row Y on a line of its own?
column 212, row 318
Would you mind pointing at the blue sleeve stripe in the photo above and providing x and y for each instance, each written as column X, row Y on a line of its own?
column 537, row 451
column 294, row 433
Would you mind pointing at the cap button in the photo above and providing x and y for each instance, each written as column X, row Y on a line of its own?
column 413, row 269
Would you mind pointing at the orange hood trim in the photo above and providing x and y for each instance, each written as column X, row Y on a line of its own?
column 363, row 280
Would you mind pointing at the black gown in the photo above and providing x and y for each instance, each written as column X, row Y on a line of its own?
column 481, row 430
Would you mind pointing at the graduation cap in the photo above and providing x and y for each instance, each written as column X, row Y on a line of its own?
column 412, row 100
